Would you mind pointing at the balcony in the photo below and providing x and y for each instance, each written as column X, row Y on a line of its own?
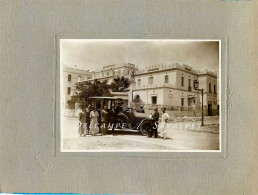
column 157, row 85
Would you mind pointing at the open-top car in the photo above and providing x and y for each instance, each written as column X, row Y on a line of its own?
column 130, row 120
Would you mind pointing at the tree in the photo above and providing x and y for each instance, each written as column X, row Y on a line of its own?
column 87, row 89
column 120, row 84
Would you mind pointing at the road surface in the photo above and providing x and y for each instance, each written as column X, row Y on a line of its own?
column 179, row 138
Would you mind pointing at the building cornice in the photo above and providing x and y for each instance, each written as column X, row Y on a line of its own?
column 206, row 74
column 165, row 70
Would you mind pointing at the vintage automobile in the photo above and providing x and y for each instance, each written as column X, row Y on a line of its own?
column 130, row 120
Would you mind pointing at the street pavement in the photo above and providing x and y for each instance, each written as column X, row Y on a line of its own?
column 179, row 138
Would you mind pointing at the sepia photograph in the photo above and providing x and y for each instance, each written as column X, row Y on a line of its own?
column 140, row 95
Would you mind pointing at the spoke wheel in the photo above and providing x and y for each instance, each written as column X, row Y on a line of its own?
column 145, row 127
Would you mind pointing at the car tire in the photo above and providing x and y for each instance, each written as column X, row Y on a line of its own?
column 145, row 127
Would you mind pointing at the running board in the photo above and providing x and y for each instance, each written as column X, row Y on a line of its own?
column 131, row 130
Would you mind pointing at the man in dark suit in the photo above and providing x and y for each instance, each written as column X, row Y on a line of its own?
column 87, row 111
column 154, row 123
column 121, row 115
column 112, row 117
column 119, row 108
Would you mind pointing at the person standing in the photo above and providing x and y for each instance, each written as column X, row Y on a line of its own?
column 88, row 110
column 82, row 124
column 154, row 123
column 104, row 118
column 194, row 110
column 94, row 121
column 163, row 125
column 112, row 118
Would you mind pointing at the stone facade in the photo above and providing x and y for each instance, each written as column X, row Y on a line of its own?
column 172, row 86
column 159, row 85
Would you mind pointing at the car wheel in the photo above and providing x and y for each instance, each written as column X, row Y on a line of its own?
column 145, row 127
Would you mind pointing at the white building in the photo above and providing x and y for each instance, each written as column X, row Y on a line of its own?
column 70, row 77
column 109, row 72
column 172, row 86
column 159, row 85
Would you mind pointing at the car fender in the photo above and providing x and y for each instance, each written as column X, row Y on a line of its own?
column 138, row 127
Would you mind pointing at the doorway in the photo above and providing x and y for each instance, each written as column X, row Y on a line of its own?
column 209, row 109
column 154, row 99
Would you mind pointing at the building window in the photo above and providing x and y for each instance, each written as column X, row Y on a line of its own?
column 79, row 78
column 215, row 91
column 182, row 101
column 189, row 85
column 209, row 88
column 68, row 90
column 107, row 73
column 69, row 77
column 182, row 81
column 139, row 82
column 193, row 83
column 154, row 99
column 150, row 80
column 166, row 78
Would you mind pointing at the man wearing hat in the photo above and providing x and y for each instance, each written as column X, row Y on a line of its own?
column 154, row 123
column 119, row 112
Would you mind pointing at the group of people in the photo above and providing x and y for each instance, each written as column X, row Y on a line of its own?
column 156, row 126
column 93, row 122
column 88, row 121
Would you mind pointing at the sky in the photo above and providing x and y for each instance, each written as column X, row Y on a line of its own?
column 93, row 54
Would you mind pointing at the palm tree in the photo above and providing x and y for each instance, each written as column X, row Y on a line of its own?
column 120, row 84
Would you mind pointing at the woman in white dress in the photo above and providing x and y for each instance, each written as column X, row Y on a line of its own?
column 163, row 123
column 94, row 115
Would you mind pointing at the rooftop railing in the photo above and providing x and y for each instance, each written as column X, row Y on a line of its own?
column 168, row 66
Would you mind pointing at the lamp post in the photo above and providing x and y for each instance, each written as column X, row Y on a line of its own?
column 196, row 87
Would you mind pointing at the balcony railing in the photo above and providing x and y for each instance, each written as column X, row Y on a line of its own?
column 166, row 66
column 154, row 86
column 169, row 107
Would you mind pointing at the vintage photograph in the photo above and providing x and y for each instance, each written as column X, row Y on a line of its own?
column 140, row 95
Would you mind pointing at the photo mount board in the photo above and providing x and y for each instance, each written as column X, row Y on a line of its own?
column 29, row 161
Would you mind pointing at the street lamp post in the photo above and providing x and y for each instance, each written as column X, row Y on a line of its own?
column 196, row 87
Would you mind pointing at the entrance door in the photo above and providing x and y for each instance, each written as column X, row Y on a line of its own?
column 154, row 99
column 209, row 109
column 189, row 101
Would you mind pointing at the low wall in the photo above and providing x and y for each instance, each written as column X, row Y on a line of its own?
column 191, row 119
column 72, row 112
column 186, row 112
